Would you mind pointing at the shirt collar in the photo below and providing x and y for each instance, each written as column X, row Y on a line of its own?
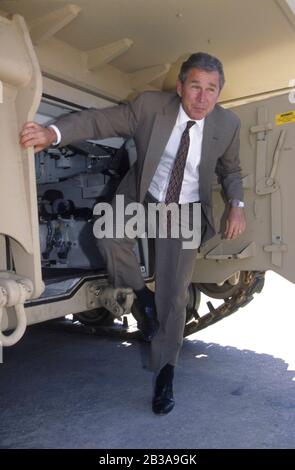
column 182, row 119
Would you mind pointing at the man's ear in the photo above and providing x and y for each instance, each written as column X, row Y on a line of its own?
column 179, row 88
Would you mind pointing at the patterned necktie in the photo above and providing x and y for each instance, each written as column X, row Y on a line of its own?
column 176, row 178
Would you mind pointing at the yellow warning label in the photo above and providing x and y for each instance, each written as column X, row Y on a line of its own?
column 285, row 118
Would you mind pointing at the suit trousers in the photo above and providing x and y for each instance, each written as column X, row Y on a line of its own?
column 174, row 267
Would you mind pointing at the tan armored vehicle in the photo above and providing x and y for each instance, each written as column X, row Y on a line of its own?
column 55, row 58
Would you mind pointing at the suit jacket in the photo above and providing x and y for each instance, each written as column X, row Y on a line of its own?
column 149, row 119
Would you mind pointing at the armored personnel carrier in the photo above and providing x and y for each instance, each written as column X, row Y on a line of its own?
column 56, row 58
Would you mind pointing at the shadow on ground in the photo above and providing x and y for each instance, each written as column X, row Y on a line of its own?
column 64, row 390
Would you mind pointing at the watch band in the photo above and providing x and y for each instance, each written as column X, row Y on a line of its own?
column 236, row 203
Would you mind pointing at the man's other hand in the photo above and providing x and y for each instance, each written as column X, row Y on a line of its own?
column 39, row 137
column 235, row 223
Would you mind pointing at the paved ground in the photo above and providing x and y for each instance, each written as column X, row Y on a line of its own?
column 234, row 386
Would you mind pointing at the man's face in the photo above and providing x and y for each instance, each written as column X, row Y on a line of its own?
column 199, row 92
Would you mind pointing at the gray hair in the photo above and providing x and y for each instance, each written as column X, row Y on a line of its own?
column 203, row 61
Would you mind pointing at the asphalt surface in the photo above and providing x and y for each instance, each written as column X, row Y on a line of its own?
column 234, row 387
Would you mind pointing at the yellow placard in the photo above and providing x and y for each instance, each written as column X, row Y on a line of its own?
column 285, row 118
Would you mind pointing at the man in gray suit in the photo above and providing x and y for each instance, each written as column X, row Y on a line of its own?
column 181, row 140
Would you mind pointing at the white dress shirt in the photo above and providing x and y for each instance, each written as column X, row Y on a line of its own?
column 58, row 134
column 190, row 186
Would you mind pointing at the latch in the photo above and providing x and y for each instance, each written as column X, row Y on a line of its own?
column 268, row 184
column 261, row 128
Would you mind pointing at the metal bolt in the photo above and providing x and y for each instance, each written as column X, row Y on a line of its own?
column 97, row 292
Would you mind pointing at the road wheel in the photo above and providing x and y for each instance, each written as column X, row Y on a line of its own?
column 193, row 301
column 96, row 317
column 226, row 290
column 192, row 306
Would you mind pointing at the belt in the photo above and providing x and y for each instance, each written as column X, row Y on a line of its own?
column 150, row 198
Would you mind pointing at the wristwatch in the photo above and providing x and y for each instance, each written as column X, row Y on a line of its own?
column 236, row 203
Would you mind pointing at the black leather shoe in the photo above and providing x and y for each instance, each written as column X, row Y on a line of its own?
column 163, row 401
